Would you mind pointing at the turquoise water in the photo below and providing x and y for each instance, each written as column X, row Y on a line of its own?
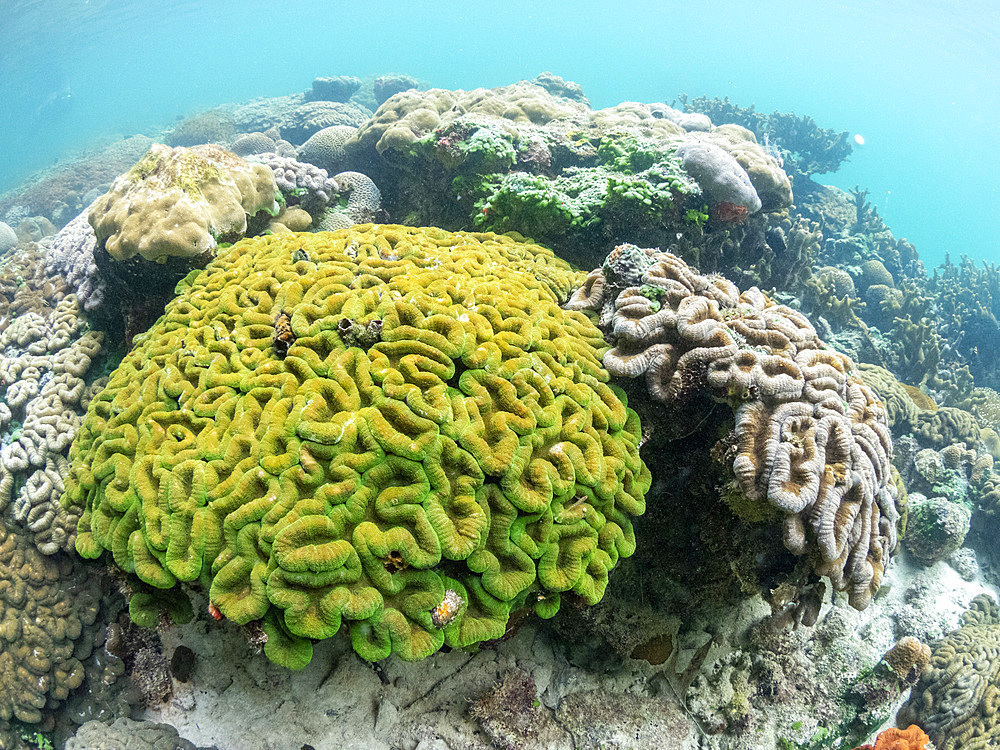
column 915, row 80
column 318, row 455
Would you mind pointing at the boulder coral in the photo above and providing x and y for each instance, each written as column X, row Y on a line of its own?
column 326, row 148
column 124, row 732
column 720, row 176
column 526, row 158
column 393, row 429
column 7, row 237
column 811, row 442
column 358, row 202
column 169, row 214
column 180, row 202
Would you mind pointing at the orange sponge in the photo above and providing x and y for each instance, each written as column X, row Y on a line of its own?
column 911, row 738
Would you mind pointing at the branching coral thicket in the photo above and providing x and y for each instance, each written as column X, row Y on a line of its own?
column 394, row 429
column 811, row 441
column 967, row 298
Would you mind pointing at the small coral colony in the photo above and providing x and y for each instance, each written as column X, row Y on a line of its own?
column 412, row 367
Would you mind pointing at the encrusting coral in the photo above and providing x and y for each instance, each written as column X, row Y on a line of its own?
column 911, row 738
column 390, row 428
column 811, row 441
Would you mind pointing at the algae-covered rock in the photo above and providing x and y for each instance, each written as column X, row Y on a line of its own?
column 936, row 528
column 394, row 428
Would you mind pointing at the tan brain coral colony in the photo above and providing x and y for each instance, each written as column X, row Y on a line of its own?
column 810, row 442
column 180, row 202
column 399, row 430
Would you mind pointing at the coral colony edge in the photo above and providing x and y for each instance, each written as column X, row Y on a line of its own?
column 390, row 416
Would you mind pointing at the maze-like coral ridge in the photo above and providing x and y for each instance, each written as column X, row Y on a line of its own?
column 358, row 426
column 955, row 700
column 811, row 440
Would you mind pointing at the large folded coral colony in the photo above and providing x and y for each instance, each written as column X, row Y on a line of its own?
column 418, row 432
column 471, row 445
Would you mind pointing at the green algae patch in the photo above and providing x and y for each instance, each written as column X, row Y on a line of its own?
column 466, row 457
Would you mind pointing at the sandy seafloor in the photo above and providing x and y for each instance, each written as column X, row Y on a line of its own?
column 237, row 700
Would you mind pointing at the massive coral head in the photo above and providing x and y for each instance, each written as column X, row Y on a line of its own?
column 390, row 429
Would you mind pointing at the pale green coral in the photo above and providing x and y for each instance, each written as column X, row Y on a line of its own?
column 476, row 447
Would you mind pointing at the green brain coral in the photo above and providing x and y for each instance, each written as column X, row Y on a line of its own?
column 352, row 428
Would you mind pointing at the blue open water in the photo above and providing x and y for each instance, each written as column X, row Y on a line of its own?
column 915, row 79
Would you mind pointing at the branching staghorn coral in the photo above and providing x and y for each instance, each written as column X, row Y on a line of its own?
column 811, row 441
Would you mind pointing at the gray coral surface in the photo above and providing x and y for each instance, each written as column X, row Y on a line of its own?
column 71, row 255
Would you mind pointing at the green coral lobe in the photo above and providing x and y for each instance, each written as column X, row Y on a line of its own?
column 471, row 445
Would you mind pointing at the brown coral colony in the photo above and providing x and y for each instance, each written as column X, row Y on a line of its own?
column 810, row 438
column 283, row 336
